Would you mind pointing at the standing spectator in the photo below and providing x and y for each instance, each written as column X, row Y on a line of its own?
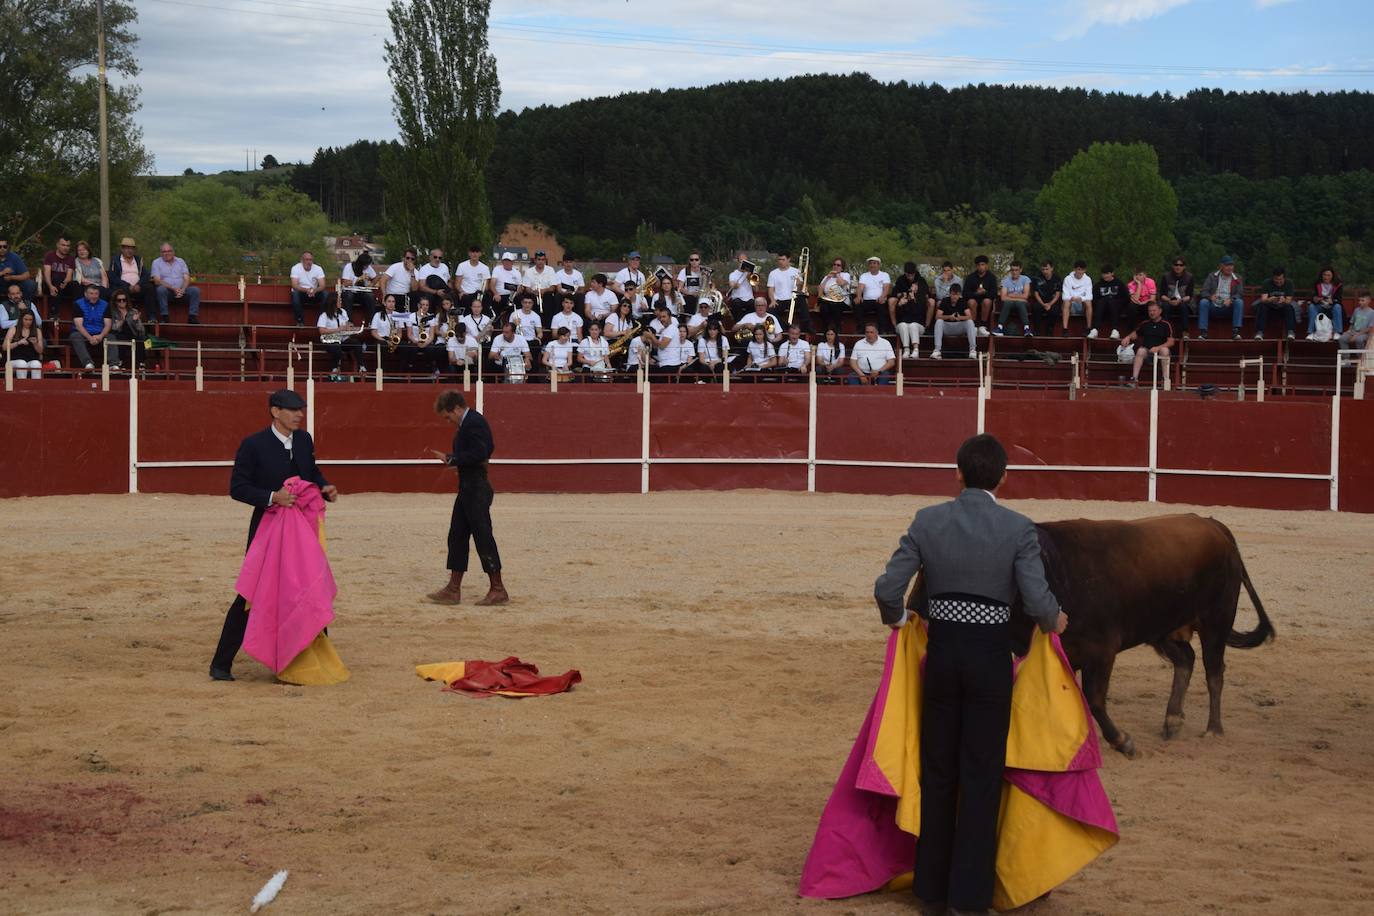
column 307, row 288
column 172, row 280
column 1143, row 291
column 13, row 270
column 362, row 277
column 1111, row 300
column 955, row 315
column 434, row 275
column 400, row 280
column 1176, row 292
column 1221, row 295
column 58, row 266
column 1153, row 338
column 872, row 358
column 126, row 326
column 1361, row 322
column 1326, row 300
column 1276, row 295
column 980, row 292
column 1016, row 291
column 1046, row 291
column 906, row 308
column 90, row 271
column 90, row 326
column 129, row 275
column 24, row 345
column 471, row 277
column 14, row 304
column 1078, row 297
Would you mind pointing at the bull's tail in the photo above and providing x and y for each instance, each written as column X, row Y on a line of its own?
column 1264, row 631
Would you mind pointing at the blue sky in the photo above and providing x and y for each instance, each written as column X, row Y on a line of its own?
column 287, row 76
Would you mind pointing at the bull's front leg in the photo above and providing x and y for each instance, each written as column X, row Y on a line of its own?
column 1097, row 675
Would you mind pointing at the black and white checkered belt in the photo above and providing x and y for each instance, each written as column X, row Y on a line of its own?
column 968, row 610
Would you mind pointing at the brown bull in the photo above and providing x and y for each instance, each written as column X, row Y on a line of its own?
column 1154, row 582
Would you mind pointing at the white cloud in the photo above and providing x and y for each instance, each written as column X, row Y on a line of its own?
column 1084, row 14
column 1266, row 4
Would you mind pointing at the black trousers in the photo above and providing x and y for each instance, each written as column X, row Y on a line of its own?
column 236, row 620
column 965, row 714
column 801, row 315
column 1045, row 320
column 472, row 521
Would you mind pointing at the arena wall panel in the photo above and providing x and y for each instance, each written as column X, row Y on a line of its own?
column 1083, row 433
column 876, row 425
column 1357, row 456
column 58, row 442
column 885, row 481
column 753, row 422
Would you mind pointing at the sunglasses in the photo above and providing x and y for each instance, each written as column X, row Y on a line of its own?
column 694, row 259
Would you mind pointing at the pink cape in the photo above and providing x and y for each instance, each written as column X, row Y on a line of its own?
column 286, row 580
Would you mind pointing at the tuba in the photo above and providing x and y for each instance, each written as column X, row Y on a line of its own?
column 710, row 294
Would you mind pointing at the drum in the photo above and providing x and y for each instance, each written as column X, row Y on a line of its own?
column 515, row 369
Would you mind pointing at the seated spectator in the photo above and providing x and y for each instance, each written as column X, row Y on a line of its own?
column 307, row 288
column 90, row 271
column 480, row 326
column 1221, row 296
column 940, row 289
column 760, row 355
column 639, row 352
column 906, row 309
column 639, row 303
column 58, row 266
column 1176, row 295
column 954, row 315
column 171, row 280
column 91, row 324
column 1359, row 333
column 1153, row 338
column 503, row 285
column 464, row 350
column 359, row 280
column 470, row 278
column 13, row 270
column 24, row 345
column 1143, row 291
column 830, row 357
column 872, row 359
column 434, row 275
column 126, row 326
column 1047, row 291
column 1078, row 297
column 794, row 353
column 1111, row 300
column 980, row 292
column 1016, row 291
column 1276, row 295
column 1326, row 300
column 130, row 275
column 14, row 303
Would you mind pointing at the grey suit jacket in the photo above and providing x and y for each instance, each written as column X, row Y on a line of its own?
column 970, row 546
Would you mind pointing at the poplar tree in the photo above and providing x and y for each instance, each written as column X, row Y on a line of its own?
column 446, row 93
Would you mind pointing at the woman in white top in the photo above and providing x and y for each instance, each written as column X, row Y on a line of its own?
column 713, row 349
column 478, row 324
column 669, row 298
column 830, row 358
column 330, row 321
column 430, row 351
column 593, row 354
column 560, row 354
column 760, row 355
column 618, row 323
column 362, row 276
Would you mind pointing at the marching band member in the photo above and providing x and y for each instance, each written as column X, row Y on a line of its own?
column 668, row 297
column 504, row 284
column 388, row 323
column 423, row 333
column 713, row 349
column 980, row 292
column 599, row 302
column 559, row 354
column 696, row 325
column 830, row 357
column 664, row 328
column 872, row 359
column 509, row 346
column 619, row 323
column 681, row 355
column 691, row 280
column 331, row 321
column 542, row 280
column 834, row 288
column 594, row 352
column 741, row 288
column 956, row 314
column 782, row 286
column 478, row 324
column 760, row 316
column 437, row 269
column 640, row 350
column 905, row 308
column 529, row 324
column 361, row 274
column 794, row 354
column 570, row 281
column 759, row 355
column 463, row 348
column 567, row 318
column 630, row 272
column 471, row 277
column 874, row 288
column 400, row 280
column 639, row 303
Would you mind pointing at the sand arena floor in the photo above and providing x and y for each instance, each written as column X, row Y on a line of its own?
column 729, row 650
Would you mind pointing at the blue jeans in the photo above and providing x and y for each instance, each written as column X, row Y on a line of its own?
column 884, row 378
column 1207, row 310
column 164, row 299
column 1333, row 311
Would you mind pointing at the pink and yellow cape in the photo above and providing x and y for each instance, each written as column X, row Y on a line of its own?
column 1055, row 816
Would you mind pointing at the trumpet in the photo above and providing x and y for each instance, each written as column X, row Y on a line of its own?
column 770, row 326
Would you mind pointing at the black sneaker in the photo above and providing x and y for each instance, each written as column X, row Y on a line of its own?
column 1235, row 335
column 1202, row 335
column 195, row 319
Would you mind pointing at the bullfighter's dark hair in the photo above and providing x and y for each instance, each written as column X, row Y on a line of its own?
column 982, row 460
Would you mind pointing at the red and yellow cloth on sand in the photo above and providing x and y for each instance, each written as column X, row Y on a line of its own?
column 290, row 590
column 509, row 677
column 1055, row 819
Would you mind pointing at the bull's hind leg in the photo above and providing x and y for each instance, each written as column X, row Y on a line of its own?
column 1214, row 662
column 1180, row 653
column 1097, row 675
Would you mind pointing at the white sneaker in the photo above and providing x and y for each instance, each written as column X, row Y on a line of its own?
column 915, row 353
column 982, row 331
column 90, row 365
column 972, row 354
column 935, row 354
column 1116, row 335
column 1092, row 335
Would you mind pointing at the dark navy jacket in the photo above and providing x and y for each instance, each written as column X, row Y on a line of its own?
column 262, row 465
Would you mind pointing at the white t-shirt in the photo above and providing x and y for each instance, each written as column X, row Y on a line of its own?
column 413, row 332
column 827, row 281
column 713, row 350
column 871, row 286
column 539, row 279
column 429, row 270
column 740, row 287
column 691, row 282
column 530, row 324
column 614, row 324
column 570, row 320
column 304, row 280
column 472, row 277
column 560, row 353
column 783, row 283
column 625, row 275
column 600, row 304
column 760, row 353
column 397, row 279
column 501, row 348
column 1078, row 288
column 794, row 354
column 697, row 321
column 351, row 279
column 639, row 305
column 595, row 350
column 676, row 353
column 463, row 347
column 870, row 357
column 507, row 280
column 753, row 318
column 662, row 330
column 826, row 354
column 635, row 352
column 570, row 282
column 476, row 327
column 383, row 324
column 326, row 323
column 673, row 300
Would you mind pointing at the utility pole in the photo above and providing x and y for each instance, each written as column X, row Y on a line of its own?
column 104, row 135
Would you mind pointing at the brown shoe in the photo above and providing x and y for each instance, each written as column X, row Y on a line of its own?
column 496, row 594
column 452, row 593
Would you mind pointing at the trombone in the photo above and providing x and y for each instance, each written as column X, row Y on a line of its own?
column 803, row 268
